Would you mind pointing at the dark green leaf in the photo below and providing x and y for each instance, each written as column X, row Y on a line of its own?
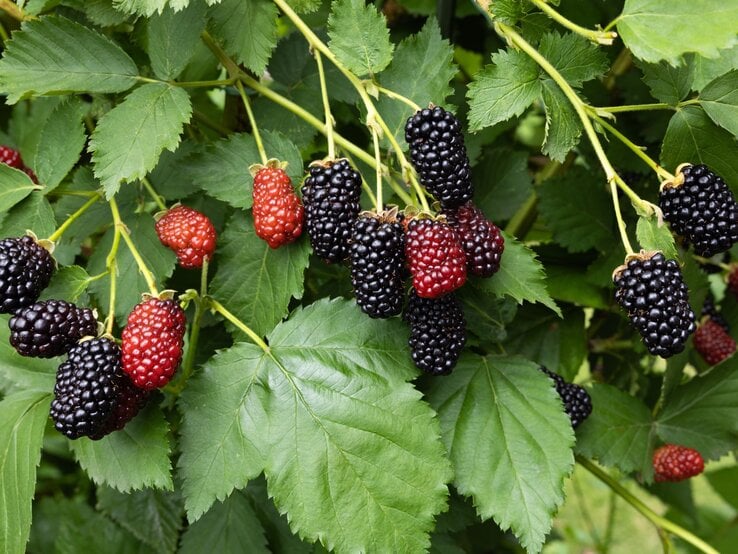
column 668, row 83
column 33, row 213
column 720, row 101
column 19, row 373
column 563, row 127
column 69, row 283
column 502, row 182
column 172, row 38
column 14, row 187
column 576, row 58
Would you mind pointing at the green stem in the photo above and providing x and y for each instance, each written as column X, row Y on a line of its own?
column 329, row 121
column 3, row 33
column 201, row 303
column 218, row 307
column 14, row 11
column 142, row 267
column 702, row 260
column 252, row 121
column 154, row 195
column 636, row 108
column 56, row 235
column 203, row 84
column 378, row 201
column 397, row 96
column 659, row 521
column 599, row 37
column 112, row 266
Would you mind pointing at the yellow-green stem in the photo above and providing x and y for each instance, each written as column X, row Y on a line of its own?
column 154, row 195
column 56, row 235
column 397, row 96
column 142, row 267
column 378, row 201
column 201, row 302
column 252, row 121
column 14, row 11
column 3, row 33
column 600, row 37
column 112, row 266
column 329, row 123
column 202, row 84
column 218, row 307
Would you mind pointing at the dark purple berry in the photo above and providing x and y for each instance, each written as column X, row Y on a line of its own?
column 576, row 400
column 25, row 271
column 481, row 239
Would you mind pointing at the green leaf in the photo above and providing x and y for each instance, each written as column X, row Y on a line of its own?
column 32, row 213
column 359, row 37
column 503, row 90
column 68, row 283
column 509, row 441
column 273, row 277
column 720, row 100
column 725, row 482
column 53, row 55
column 132, row 458
column 487, row 316
column 149, row 7
column 84, row 530
column 652, row 236
column 248, row 29
column 668, row 83
column 509, row 11
column 229, row 527
column 99, row 12
column 563, row 127
column 502, row 182
column 657, row 30
column 15, row 185
column 20, row 373
column 576, row 58
column 22, row 421
column 619, row 431
column 129, row 138
column 708, row 69
column 172, row 37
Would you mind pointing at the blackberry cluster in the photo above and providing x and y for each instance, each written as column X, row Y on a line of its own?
column 25, row 271
column 377, row 265
column 481, row 239
column 576, row 400
column 50, row 328
column 702, row 209
column 437, row 332
column 438, row 153
column 331, row 198
column 709, row 309
column 651, row 290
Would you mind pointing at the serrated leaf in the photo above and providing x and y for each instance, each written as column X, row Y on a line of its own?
column 652, row 236
column 563, row 127
column 53, row 55
column 20, row 373
column 272, row 277
column 501, row 196
column 68, row 283
column 503, row 90
column 15, row 185
column 84, row 530
column 22, row 422
column 509, row 441
column 720, row 100
column 708, row 69
column 650, row 28
column 99, row 12
column 133, row 458
column 668, row 83
column 576, row 58
column 34, row 213
column 359, row 37
column 172, row 38
column 129, row 138
column 487, row 316
column 248, row 29
column 149, row 7
column 509, row 11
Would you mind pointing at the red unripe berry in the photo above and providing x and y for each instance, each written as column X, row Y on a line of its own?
column 436, row 257
column 278, row 211
column 11, row 157
column 189, row 233
column 733, row 280
column 672, row 462
column 713, row 342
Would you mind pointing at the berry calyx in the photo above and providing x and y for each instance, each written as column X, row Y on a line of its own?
column 278, row 211
column 576, row 399
column 673, row 463
column 713, row 342
column 435, row 256
column 25, row 271
column 189, row 233
column 481, row 239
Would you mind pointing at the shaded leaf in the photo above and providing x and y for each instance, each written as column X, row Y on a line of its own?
column 720, row 100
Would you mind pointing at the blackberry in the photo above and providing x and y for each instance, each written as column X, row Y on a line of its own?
column 25, row 271
column 437, row 332
column 651, row 290
column 331, row 195
column 130, row 401
column 378, row 264
column 576, row 399
column 709, row 309
column 700, row 207
column 86, row 390
column 50, row 328
column 438, row 153
column 481, row 239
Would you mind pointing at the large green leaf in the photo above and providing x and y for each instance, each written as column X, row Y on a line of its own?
column 708, row 69
column 668, row 83
column 172, row 38
column 53, row 55
column 563, row 127
column 19, row 373
column 576, row 58
column 33, row 212
column 14, row 187
column 720, row 101
column 502, row 182
column 654, row 236
column 69, row 283
column 509, row 441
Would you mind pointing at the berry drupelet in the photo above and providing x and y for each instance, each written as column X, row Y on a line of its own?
column 673, row 463
column 651, row 290
column 278, row 211
column 189, row 233
column 50, row 328
column 130, row 400
column 700, row 207
column 25, row 271
column 480, row 238
column 713, row 342
column 576, row 399
column 10, row 156
column 435, row 256
column 438, row 153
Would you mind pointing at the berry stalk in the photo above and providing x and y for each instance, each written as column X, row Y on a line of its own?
column 397, row 96
column 252, row 121
column 329, row 121
column 155, row 196
column 123, row 230
column 56, row 235
column 599, row 37
column 216, row 306
column 378, row 201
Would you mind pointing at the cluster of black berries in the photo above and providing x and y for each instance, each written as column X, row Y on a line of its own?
column 576, row 400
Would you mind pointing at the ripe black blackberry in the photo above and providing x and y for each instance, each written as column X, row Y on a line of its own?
column 86, row 390
column 378, row 264
column 331, row 195
column 438, row 153
column 700, row 207
column 25, row 271
column 709, row 309
column 576, row 399
column 437, row 332
column 481, row 239
column 651, row 290
column 50, row 328
column 130, row 401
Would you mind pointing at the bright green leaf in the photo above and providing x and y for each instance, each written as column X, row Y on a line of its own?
column 172, row 38
column 720, row 101
column 708, row 69
column 563, row 127
column 14, row 187
column 33, row 213
column 20, row 373
column 652, row 236
column 68, row 283
column 668, row 83
column 576, row 58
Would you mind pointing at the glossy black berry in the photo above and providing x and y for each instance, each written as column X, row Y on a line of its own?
column 651, row 290
column 378, row 265
column 576, row 400
column 130, row 401
column 437, row 332
column 481, row 239
column 709, row 309
column 331, row 195
column 702, row 209
column 50, row 328
column 25, row 271
column 438, row 153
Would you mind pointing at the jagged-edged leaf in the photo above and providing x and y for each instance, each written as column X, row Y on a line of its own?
column 53, row 55
column 33, row 212
column 172, row 38
column 149, row 7
column 502, row 182
column 708, row 69
column 82, row 529
column 509, row 441
column 652, row 236
column 576, row 58
column 720, row 100
column 18, row 373
column 563, row 127
column 68, row 283
column 15, row 185
column 129, row 138
column 668, row 83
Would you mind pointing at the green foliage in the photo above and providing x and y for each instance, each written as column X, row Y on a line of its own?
column 653, row 235
column 720, row 101
column 172, row 38
column 14, row 187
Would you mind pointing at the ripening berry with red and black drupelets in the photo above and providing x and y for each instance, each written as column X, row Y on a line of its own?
column 651, row 290
column 710, row 310
column 50, row 328
column 700, row 207
column 576, row 399
column 435, row 256
column 153, row 340
column 673, row 463
column 733, row 280
column 481, row 239
column 189, row 233
column 278, row 212
column 331, row 194
column 713, row 342
column 438, row 153
column 130, row 400
column 25, row 271
column 378, row 264
column 437, row 332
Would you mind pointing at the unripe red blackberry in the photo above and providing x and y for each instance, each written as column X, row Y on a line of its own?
column 437, row 332
column 713, row 342
column 10, row 156
column 436, row 259
column 700, row 207
column 673, row 462
column 481, row 239
column 331, row 196
column 438, row 153
column 651, row 290
column 25, row 271
column 189, row 233
column 278, row 211
column 576, row 399
column 377, row 264
column 50, row 328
